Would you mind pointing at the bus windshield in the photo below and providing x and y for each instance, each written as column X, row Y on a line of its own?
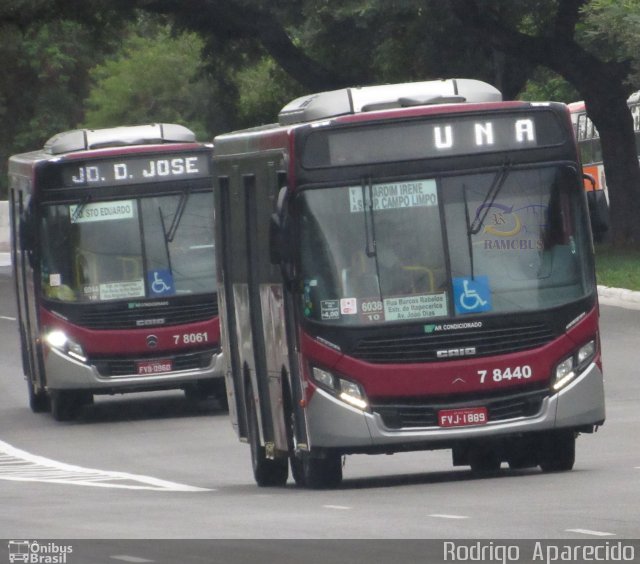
column 160, row 246
column 506, row 241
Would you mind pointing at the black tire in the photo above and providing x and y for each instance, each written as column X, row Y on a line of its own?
column 484, row 461
column 522, row 454
column 66, row 404
column 267, row 472
column 297, row 470
column 558, row 451
column 295, row 461
column 38, row 401
column 204, row 389
column 322, row 473
column 220, row 393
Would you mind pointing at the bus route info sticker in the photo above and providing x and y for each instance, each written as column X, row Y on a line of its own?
column 404, row 308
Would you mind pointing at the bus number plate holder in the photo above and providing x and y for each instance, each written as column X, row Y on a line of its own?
column 463, row 417
column 149, row 367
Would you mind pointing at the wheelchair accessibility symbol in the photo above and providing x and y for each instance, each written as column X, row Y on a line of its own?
column 161, row 282
column 472, row 295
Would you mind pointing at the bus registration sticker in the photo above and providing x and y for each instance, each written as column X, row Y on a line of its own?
column 149, row 367
column 463, row 417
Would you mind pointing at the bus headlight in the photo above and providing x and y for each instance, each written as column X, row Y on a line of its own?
column 346, row 390
column 570, row 367
column 59, row 340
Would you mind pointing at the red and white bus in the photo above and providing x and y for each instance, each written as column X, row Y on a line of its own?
column 590, row 151
column 588, row 146
column 114, row 262
column 407, row 267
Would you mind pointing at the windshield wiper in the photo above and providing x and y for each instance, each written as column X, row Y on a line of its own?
column 173, row 228
column 367, row 206
column 80, row 208
column 474, row 228
column 469, row 242
column 371, row 244
column 483, row 210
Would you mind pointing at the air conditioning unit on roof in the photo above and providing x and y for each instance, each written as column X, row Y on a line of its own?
column 325, row 105
column 84, row 139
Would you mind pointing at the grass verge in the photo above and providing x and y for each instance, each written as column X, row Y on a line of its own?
column 618, row 268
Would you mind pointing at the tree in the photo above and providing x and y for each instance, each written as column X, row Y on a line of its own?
column 551, row 38
column 155, row 77
column 45, row 73
column 327, row 44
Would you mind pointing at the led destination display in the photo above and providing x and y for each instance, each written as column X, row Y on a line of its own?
column 135, row 170
column 428, row 138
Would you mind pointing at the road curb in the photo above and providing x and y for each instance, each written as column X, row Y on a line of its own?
column 619, row 297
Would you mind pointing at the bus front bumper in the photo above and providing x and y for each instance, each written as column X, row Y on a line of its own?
column 66, row 373
column 334, row 424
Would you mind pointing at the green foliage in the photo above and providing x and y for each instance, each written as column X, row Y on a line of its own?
column 611, row 29
column 618, row 268
column 264, row 88
column 545, row 85
column 377, row 41
column 43, row 82
column 157, row 78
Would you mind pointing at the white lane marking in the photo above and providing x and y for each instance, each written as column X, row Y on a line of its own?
column 7, row 318
column 336, row 507
column 592, row 533
column 127, row 558
column 21, row 466
column 447, row 516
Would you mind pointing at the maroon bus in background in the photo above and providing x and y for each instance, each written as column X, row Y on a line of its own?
column 113, row 254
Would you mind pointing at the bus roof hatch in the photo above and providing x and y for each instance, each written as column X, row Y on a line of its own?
column 325, row 105
column 84, row 139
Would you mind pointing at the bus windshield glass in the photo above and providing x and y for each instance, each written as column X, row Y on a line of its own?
column 504, row 241
column 152, row 247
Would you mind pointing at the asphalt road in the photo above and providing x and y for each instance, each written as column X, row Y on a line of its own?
column 154, row 466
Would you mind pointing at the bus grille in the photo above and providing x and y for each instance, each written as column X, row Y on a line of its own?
column 149, row 317
column 122, row 366
column 408, row 415
column 423, row 347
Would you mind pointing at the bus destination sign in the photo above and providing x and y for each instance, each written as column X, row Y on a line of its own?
column 135, row 170
column 430, row 138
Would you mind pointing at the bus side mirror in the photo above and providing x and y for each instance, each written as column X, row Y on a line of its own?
column 280, row 252
column 591, row 180
column 598, row 214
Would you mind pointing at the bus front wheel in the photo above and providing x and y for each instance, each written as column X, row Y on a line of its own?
column 558, row 451
column 322, row 473
column 66, row 404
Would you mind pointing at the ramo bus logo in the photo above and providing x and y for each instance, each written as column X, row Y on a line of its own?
column 38, row 553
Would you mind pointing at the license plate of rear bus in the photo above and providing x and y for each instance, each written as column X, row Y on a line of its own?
column 463, row 417
column 149, row 367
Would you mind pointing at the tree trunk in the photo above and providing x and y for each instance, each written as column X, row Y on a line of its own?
column 601, row 83
column 615, row 125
